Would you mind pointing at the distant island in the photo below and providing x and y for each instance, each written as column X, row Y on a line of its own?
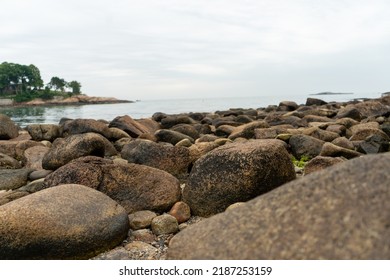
column 331, row 93
column 22, row 85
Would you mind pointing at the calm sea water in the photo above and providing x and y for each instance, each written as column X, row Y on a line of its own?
column 146, row 108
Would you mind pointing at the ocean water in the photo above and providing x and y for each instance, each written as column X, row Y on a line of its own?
column 146, row 108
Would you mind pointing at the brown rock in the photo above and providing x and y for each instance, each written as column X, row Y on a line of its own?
column 341, row 212
column 13, row 178
column 331, row 150
column 40, row 132
column 8, row 129
column 141, row 219
column 130, row 126
column 174, row 160
column 134, row 186
column 15, row 149
column 75, row 146
column 247, row 130
column 236, row 172
column 318, row 163
column 181, row 211
column 81, row 126
column 7, row 162
column 66, row 222
column 304, row 145
column 164, row 224
column 33, row 157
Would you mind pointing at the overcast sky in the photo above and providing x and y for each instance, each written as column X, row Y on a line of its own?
column 152, row 49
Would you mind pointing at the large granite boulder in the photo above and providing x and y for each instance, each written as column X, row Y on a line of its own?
column 75, row 146
column 236, row 172
column 134, row 186
column 8, row 129
column 342, row 212
column 66, row 222
column 174, row 160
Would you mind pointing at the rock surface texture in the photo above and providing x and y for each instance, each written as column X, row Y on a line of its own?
column 338, row 213
column 236, row 172
column 66, row 222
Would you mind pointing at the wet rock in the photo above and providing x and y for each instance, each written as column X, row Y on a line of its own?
column 75, row 146
column 40, row 132
column 33, row 157
column 319, row 163
column 236, row 172
column 170, row 136
column 341, row 212
column 134, row 186
column 331, row 150
column 66, row 222
column 7, row 162
column 164, row 224
column 13, row 178
column 141, row 219
column 181, row 211
column 304, row 145
column 8, row 129
column 174, row 160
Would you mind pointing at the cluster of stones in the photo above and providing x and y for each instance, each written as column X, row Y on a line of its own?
column 136, row 189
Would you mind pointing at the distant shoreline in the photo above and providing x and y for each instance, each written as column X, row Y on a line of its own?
column 78, row 100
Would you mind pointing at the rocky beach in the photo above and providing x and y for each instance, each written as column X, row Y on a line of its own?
column 287, row 181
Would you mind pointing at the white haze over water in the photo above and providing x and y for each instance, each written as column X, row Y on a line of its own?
column 153, row 49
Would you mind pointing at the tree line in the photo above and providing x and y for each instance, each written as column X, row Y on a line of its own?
column 24, row 82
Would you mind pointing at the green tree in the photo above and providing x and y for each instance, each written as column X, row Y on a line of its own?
column 57, row 84
column 75, row 86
